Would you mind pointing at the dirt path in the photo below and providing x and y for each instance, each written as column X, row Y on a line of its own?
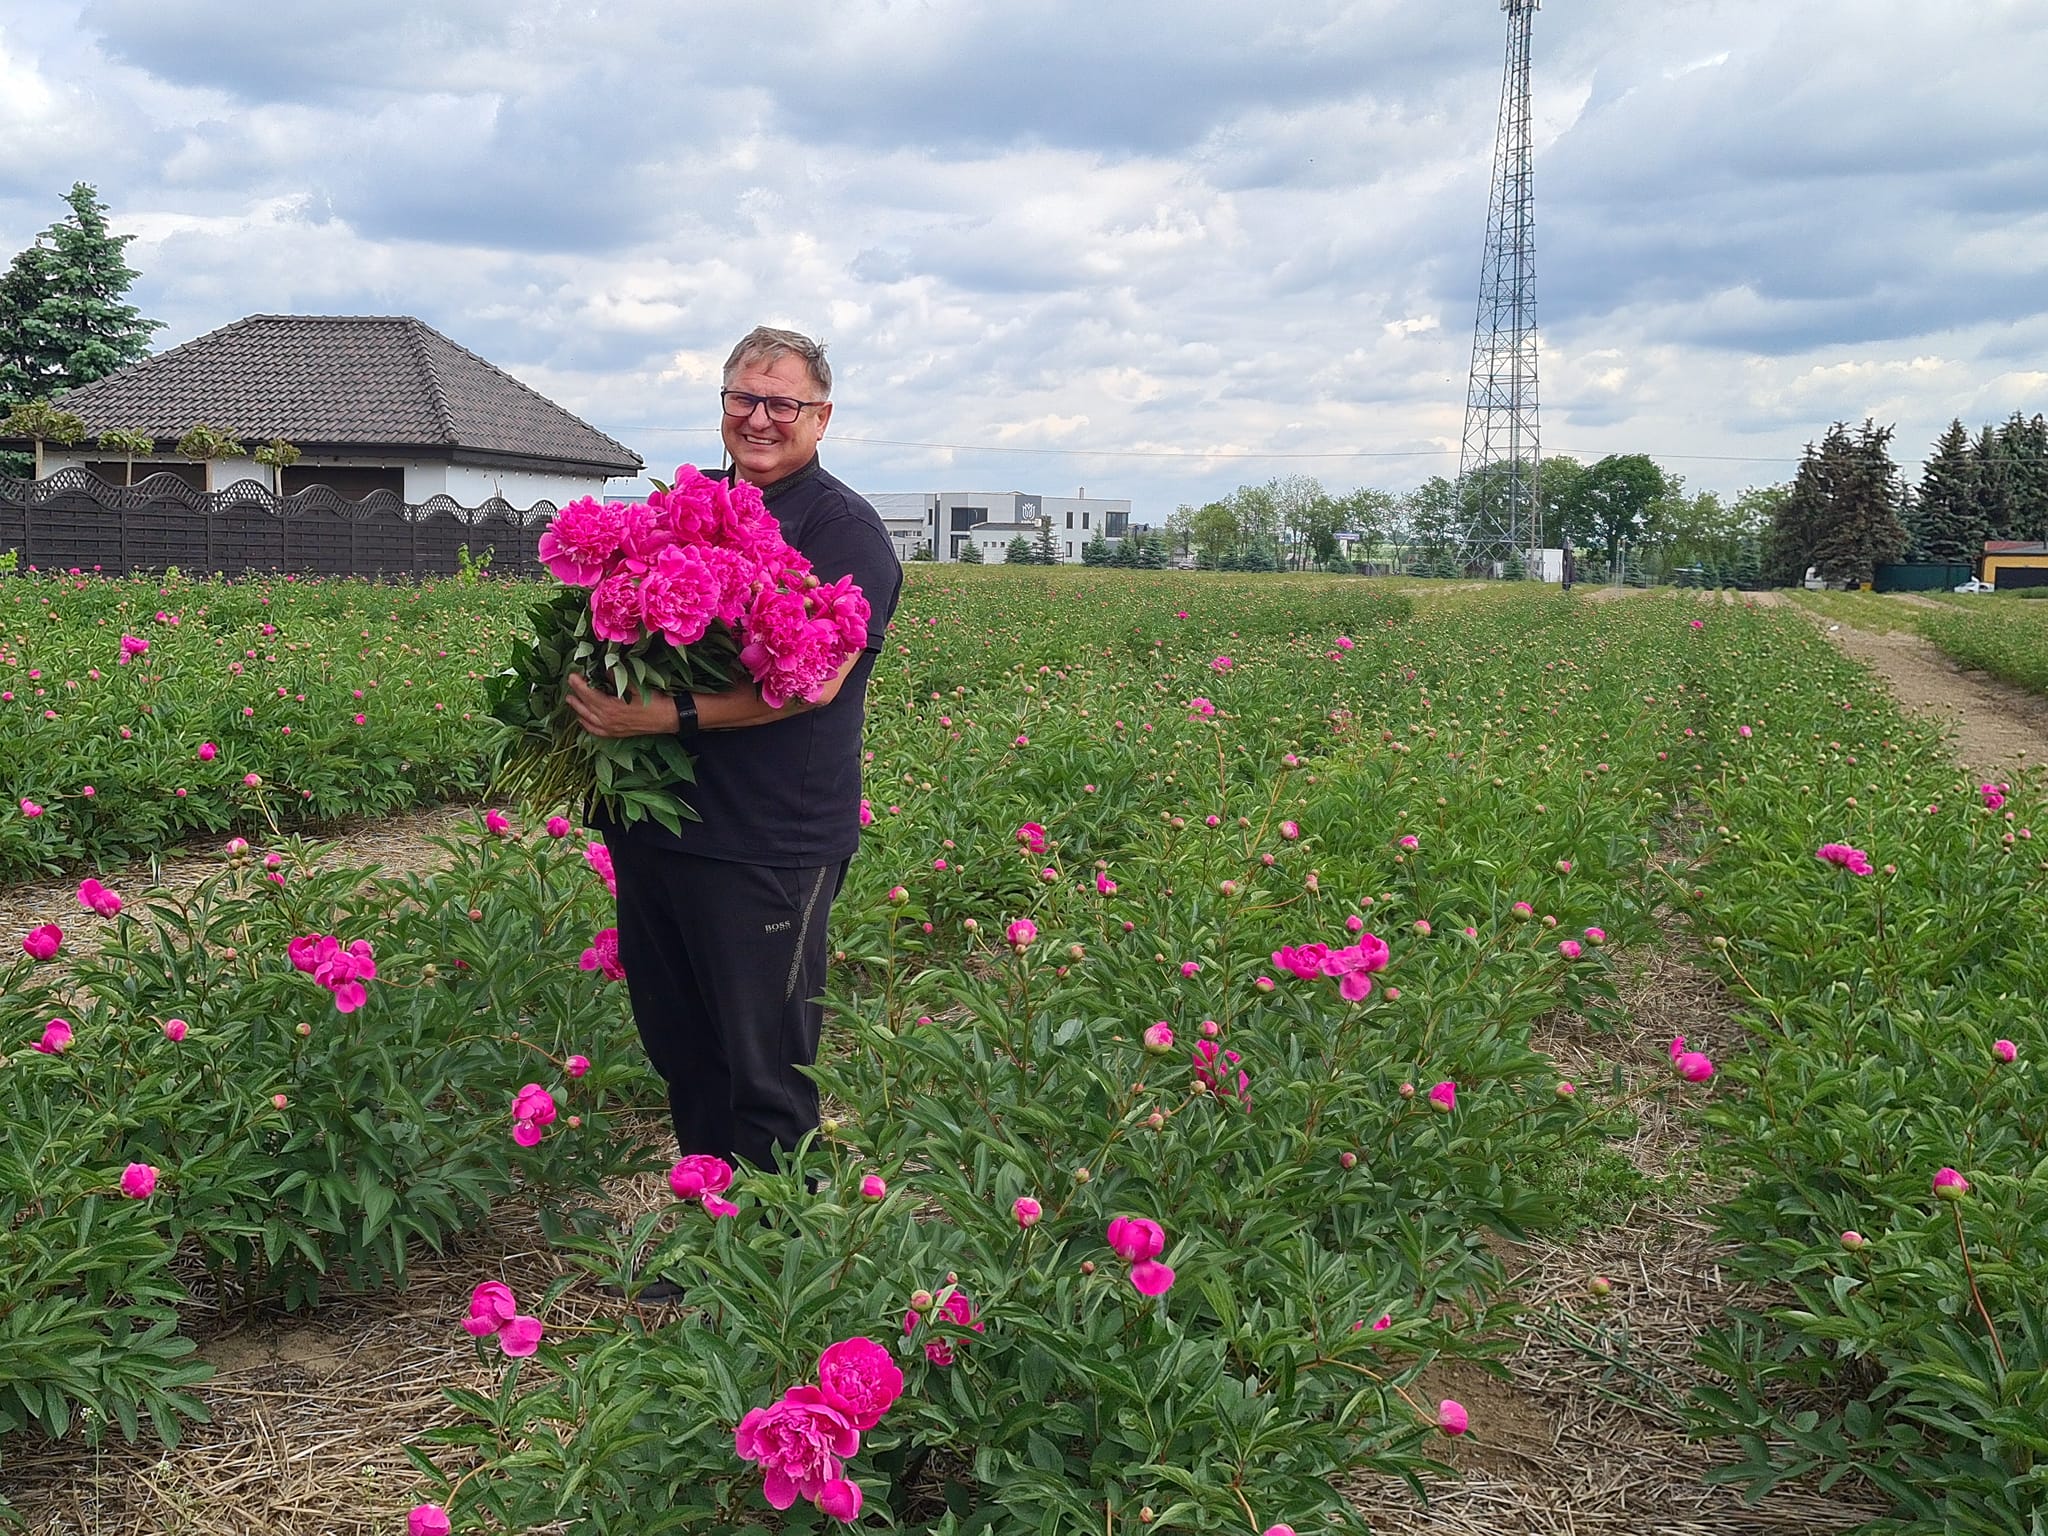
column 1996, row 730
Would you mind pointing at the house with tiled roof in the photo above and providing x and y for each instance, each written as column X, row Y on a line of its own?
column 372, row 402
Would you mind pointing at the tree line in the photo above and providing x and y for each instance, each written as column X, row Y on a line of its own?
column 1849, row 508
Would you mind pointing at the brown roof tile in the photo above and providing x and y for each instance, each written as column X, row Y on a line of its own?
column 388, row 381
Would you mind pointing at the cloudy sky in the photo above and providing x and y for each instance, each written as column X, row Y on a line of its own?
column 1150, row 247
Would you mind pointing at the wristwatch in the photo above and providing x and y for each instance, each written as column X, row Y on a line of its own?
column 686, row 714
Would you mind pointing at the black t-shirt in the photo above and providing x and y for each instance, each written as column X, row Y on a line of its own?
column 787, row 794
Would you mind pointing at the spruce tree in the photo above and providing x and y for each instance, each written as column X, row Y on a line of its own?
column 2024, row 446
column 1993, row 492
column 1045, row 552
column 1948, row 520
column 1859, row 527
column 81, row 328
column 1018, row 552
column 970, row 553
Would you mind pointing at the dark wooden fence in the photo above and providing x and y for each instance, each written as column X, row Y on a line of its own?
column 74, row 518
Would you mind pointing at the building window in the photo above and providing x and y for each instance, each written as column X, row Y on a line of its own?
column 967, row 517
column 1084, row 519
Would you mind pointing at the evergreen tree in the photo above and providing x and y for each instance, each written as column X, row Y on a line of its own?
column 970, row 553
column 1126, row 552
column 1095, row 551
column 1045, row 552
column 1018, row 552
column 1859, row 527
column 1795, row 523
column 2024, row 445
column 1991, row 483
column 1151, row 553
column 1947, row 521
column 80, row 327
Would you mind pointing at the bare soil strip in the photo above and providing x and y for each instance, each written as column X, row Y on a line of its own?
column 1996, row 730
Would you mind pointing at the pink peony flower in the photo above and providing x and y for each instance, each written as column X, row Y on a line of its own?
column 576, row 1066
column 799, row 1443
column 533, row 1110
column 1212, row 1068
column 520, row 1337
column 1451, row 1417
column 174, row 1030
column 1027, row 1211
column 873, row 1187
column 2005, row 1051
column 615, row 612
column 958, row 1309
column 700, row 1174
column 1151, row 1278
column 1950, row 1185
column 1571, row 949
column 138, row 1181
column 1190, row 968
column 603, row 954
column 1032, row 836
column 1103, row 884
column 1354, row 965
column 1158, row 1038
column 30, row 809
column 1994, row 796
column 1842, row 856
column 1303, row 960
column 1854, row 1241
column 582, row 539
column 427, row 1520
column 491, row 1307
column 1411, row 841
column 1134, row 1238
column 1021, row 933
column 1444, row 1096
column 860, row 1378
column 208, row 751
column 496, row 824
column 1221, row 664
column 1290, row 830
column 97, row 898
column 558, row 826
column 42, row 943
column 841, row 1500
column 1200, row 709
column 599, row 858
column 1278, row 1530
column 56, row 1038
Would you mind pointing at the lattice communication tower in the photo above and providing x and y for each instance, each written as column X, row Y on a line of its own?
column 1497, row 469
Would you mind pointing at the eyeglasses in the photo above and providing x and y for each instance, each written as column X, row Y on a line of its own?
column 740, row 405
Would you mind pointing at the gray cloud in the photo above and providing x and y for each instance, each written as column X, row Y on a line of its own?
column 1137, row 227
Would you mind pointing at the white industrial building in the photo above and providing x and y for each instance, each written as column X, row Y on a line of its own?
column 947, row 521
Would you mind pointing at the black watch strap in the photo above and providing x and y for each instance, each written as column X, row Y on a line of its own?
column 686, row 714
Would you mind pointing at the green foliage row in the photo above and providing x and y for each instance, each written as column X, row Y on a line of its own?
column 300, row 1149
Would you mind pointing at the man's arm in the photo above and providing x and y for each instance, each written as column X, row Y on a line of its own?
column 654, row 713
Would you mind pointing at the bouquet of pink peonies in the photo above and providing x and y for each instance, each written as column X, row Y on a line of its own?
column 686, row 593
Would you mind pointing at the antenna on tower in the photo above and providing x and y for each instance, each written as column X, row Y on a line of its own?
column 1497, row 468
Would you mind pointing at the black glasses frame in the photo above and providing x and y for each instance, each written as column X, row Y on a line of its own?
column 781, row 409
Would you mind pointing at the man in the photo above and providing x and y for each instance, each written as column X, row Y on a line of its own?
column 722, row 927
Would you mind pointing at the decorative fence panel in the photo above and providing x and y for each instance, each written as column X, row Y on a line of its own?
column 74, row 518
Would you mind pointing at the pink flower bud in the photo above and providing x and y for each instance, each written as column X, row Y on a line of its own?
column 872, row 1187
column 1020, row 933
column 427, row 1520
column 1950, row 1185
column 1855, row 1241
column 174, row 1030
column 138, row 1181
column 1451, row 1417
column 1347, row 1160
column 1159, row 1038
column 1027, row 1211
column 2005, row 1050
column 1444, row 1096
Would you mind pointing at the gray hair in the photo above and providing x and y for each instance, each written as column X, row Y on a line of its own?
column 764, row 344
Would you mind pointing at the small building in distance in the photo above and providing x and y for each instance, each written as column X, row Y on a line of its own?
column 2010, row 563
column 372, row 402
column 946, row 521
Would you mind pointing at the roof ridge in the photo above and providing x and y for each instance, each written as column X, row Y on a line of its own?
column 517, row 383
column 435, row 390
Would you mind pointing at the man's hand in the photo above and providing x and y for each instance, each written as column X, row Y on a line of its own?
column 650, row 714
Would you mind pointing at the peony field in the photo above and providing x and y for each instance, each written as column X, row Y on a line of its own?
column 1303, row 1054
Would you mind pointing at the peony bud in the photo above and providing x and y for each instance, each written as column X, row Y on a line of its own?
column 1854, row 1241
column 1950, row 1185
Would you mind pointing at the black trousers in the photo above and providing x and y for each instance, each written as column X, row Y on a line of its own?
column 725, row 963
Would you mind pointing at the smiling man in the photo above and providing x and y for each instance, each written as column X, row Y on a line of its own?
column 722, row 926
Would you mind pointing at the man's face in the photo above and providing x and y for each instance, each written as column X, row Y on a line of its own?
column 767, row 451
